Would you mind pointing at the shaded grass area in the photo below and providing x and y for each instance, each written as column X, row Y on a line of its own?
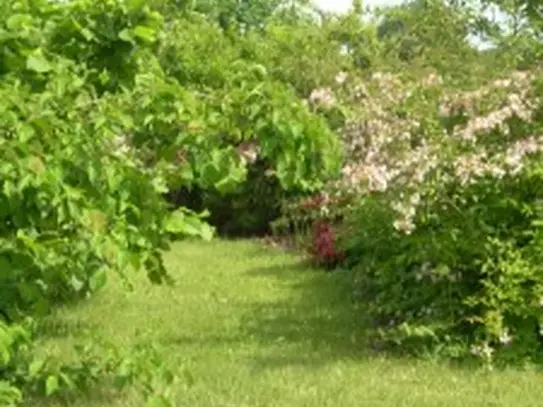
column 249, row 326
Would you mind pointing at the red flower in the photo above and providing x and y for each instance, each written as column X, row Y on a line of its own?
column 324, row 247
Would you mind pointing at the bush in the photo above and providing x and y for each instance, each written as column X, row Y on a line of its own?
column 77, row 202
column 247, row 210
column 445, row 233
column 96, row 126
column 74, row 207
column 279, row 146
column 252, row 100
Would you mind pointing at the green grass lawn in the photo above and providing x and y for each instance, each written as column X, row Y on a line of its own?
column 255, row 328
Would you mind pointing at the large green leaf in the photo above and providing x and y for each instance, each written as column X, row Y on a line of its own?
column 181, row 222
column 37, row 62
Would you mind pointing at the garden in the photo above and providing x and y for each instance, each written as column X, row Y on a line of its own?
column 259, row 203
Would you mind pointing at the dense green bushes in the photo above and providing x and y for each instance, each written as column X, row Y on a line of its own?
column 252, row 107
column 98, row 122
column 75, row 203
column 444, row 233
column 248, row 210
column 107, row 107
column 439, row 206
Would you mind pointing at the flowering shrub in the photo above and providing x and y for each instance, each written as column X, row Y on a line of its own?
column 325, row 251
column 444, row 230
column 312, row 221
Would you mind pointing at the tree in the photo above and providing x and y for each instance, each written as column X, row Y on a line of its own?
column 432, row 28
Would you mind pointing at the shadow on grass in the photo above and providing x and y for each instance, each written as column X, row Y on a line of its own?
column 99, row 394
column 321, row 322
column 53, row 327
column 324, row 322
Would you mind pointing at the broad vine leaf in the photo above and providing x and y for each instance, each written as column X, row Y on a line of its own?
column 37, row 62
column 36, row 367
column 126, row 35
column 180, row 222
column 51, row 385
column 145, row 33
column 98, row 280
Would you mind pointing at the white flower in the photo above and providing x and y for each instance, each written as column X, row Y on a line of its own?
column 341, row 77
column 505, row 337
column 248, row 151
column 322, row 96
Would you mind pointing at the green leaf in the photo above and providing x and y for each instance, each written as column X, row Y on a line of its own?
column 260, row 70
column 37, row 62
column 35, row 367
column 96, row 220
column 159, row 185
column 67, row 380
column 158, row 401
column 188, row 225
column 5, row 356
column 104, row 77
column 51, row 385
column 87, row 34
column 126, row 120
column 126, row 35
column 144, row 33
column 36, row 165
column 9, row 189
column 76, row 283
column 98, row 280
column 148, row 119
column 19, row 21
column 226, row 184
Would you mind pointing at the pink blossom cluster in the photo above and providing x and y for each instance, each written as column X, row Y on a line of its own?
column 322, row 97
column 396, row 140
column 519, row 82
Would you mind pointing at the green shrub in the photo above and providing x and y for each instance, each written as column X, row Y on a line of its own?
column 96, row 126
column 76, row 201
column 446, row 239
column 248, row 210
column 73, row 207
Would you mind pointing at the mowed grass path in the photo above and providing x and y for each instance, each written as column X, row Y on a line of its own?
column 253, row 327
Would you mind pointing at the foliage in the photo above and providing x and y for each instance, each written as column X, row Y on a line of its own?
column 325, row 251
column 249, row 209
column 74, row 206
column 439, row 201
column 409, row 32
column 105, row 108
column 440, row 197
column 417, row 166
column 444, row 235
column 249, row 105
column 99, row 362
